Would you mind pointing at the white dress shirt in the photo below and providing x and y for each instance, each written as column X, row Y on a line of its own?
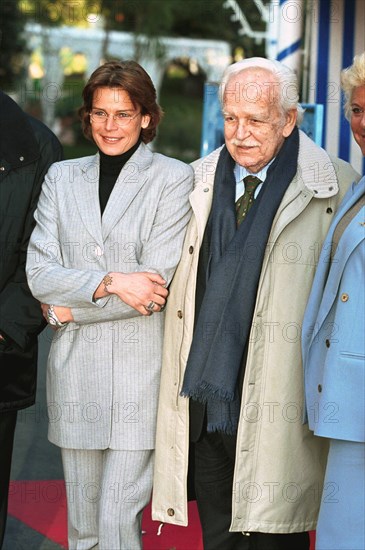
column 240, row 172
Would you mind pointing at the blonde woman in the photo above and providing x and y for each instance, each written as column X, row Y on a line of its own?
column 334, row 350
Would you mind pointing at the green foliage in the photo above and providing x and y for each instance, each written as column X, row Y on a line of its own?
column 68, row 105
column 71, row 97
column 12, row 45
column 179, row 133
column 154, row 18
column 187, row 18
column 53, row 13
column 150, row 17
column 83, row 149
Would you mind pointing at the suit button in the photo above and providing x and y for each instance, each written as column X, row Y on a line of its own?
column 98, row 251
column 170, row 512
column 328, row 343
column 179, row 314
column 191, row 249
column 319, row 388
column 2, row 168
column 206, row 189
column 344, row 297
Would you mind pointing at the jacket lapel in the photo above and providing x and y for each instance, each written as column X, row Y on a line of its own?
column 86, row 193
column 131, row 179
column 202, row 196
column 350, row 239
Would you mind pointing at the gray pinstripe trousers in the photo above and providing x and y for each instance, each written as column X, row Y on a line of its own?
column 107, row 491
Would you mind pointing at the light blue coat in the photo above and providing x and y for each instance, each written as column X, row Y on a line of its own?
column 333, row 336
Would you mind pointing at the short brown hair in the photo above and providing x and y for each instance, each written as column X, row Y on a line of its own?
column 133, row 79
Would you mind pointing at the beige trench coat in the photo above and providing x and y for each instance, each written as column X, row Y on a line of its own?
column 279, row 468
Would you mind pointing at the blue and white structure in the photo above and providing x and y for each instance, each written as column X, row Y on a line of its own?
column 290, row 24
column 319, row 38
column 337, row 34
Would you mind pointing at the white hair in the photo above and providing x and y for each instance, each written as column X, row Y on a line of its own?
column 351, row 78
column 287, row 79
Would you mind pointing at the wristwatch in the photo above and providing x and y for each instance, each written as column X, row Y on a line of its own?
column 53, row 319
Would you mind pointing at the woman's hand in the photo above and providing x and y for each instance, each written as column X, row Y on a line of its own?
column 64, row 314
column 143, row 291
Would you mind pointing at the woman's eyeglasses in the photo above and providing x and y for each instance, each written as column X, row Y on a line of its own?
column 121, row 119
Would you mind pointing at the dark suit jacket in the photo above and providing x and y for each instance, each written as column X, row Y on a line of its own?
column 27, row 149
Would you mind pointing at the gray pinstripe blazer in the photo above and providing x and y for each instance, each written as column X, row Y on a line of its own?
column 104, row 369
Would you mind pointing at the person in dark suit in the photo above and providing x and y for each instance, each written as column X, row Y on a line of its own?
column 334, row 350
column 27, row 149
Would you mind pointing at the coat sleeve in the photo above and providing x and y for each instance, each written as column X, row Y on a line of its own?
column 21, row 317
column 160, row 254
column 48, row 277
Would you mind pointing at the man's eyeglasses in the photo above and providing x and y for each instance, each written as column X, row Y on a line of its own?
column 121, row 119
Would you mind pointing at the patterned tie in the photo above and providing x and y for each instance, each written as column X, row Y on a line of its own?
column 244, row 203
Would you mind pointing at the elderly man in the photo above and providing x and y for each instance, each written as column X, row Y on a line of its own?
column 262, row 205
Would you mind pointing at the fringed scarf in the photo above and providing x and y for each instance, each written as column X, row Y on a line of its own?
column 229, row 270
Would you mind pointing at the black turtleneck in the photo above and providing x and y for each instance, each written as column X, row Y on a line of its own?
column 110, row 167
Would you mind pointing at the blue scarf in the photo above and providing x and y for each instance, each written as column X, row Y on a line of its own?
column 229, row 270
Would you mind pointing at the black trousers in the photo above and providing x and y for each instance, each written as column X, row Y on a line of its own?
column 7, row 430
column 214, row 467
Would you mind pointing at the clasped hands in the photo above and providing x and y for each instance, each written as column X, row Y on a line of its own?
column 145, row 292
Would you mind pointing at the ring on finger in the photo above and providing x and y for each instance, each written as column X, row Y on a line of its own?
column 150, row 306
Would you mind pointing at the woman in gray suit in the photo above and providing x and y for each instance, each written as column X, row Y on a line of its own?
column 108, row 236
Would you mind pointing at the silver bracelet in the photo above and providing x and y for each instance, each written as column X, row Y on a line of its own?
column 52, row 317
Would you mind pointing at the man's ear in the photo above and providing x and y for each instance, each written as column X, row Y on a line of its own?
column 291, row 120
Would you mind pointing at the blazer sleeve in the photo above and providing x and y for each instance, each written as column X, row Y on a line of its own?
column 160, row 254
column 46, row 274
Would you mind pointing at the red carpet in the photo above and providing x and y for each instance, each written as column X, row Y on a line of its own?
column 42, row 506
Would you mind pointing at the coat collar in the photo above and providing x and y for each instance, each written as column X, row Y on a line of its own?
column 86, row 191
column 316, row 170
column 132, row 178
column 316, row 177
column 18, row 145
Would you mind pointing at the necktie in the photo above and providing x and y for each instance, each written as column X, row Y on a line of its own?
column 244, row 203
